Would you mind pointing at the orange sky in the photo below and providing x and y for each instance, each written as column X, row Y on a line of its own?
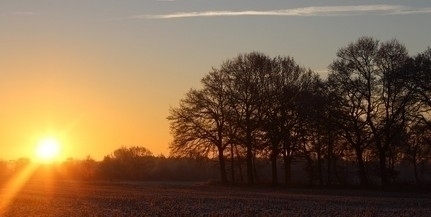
column 84, row 121
column 98, row 75
column 52, row 90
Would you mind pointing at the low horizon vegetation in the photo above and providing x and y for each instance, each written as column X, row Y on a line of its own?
column 136, row 163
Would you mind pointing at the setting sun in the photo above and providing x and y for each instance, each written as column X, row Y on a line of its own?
column 47, row 150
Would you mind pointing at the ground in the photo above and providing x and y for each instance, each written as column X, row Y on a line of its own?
column 72, row 198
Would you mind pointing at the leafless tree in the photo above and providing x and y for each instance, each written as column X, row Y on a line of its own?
column 200, row 123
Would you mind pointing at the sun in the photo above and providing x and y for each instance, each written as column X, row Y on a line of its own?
column 47, row 150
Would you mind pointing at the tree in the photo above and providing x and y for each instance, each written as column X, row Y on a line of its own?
column 246, row 76
column 313, row 109
column 286, row 84
column 375, row 100
column 348, row 83
column 418, row 78
column 128, row 163
column 416, row 75
column 200, row 124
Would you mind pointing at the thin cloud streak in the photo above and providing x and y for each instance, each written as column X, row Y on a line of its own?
column 305, row 11
column 417, row 11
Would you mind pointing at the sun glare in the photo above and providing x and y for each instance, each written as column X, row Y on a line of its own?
column 47, row 150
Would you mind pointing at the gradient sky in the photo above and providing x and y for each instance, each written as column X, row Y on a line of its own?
column 100, row 74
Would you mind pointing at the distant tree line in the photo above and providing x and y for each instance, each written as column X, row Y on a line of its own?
column 135, row 163
column 372, row 110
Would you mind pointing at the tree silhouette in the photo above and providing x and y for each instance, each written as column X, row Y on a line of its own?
column 418, row 78
column 348, row 82
column 200, row 124
column 376, row 101
column 284, row 88
column 127, row 163
column 246, row 76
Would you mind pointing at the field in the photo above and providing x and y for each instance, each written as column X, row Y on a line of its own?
column 69, row 198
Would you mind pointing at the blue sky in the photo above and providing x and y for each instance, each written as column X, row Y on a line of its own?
column 117, row 66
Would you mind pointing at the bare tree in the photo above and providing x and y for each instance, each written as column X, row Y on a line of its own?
column 348, row 83
column 314, row 112
column 281, row 124
column 377, row 101
column 247, row 75
column 200, row 124
column 417, row 76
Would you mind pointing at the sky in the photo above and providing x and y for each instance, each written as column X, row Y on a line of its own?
column 101, row 74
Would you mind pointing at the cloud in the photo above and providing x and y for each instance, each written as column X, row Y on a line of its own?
column 412, row 11
column 381, row 9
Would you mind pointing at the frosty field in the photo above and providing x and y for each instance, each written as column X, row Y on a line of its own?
column 67, row 198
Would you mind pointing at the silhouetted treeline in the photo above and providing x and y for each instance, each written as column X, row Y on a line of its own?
column 124, row 164
column 372, row 114
column 139, row 164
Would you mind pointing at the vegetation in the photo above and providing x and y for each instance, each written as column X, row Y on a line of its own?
column 371, row 110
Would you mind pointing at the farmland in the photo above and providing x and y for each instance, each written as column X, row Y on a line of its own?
column 70, row 198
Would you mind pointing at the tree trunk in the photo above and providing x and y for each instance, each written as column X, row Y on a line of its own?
column 221, row 159
column 361, row 166
column 255, row 174
column 319, row 167
column 310, row 169
column 274, row 167
column 241, row 178
column 383, row 171
column 330, row 144
column 287, row 169
column 415, row 167
column 249, row 159
column 232, row 164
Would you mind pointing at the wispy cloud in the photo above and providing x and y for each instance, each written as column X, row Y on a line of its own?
column 381, row 9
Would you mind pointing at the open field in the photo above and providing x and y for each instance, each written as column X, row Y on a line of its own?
column 68, row 198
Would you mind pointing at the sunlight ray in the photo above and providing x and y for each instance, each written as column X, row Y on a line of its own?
column 14, row 185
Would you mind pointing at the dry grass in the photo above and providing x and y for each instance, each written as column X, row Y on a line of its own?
column 63, row 198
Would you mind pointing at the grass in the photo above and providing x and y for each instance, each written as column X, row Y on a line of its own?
column 70, row 198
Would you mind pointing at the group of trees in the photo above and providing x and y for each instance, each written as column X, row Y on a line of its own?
column 135, row 163
column 138, row 163
column 372, row 109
